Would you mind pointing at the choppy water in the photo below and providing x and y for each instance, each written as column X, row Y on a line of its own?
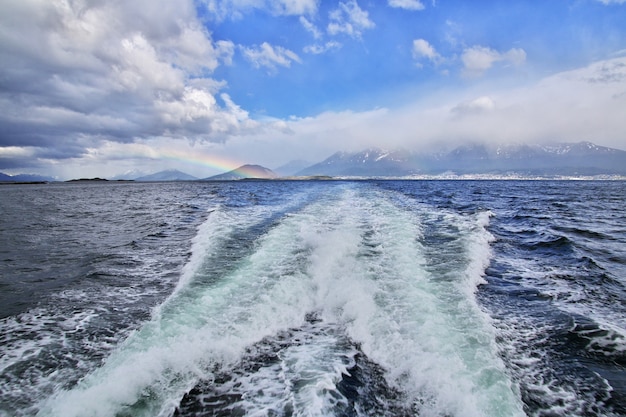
column 364, row 298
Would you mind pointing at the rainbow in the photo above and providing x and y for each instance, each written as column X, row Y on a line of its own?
column 200, row 157
column 196, row 158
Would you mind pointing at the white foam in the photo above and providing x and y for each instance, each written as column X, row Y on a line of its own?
column 570, row 291
column 357, row 260
column 426, row 328
column 478, row 248
column 193, row 331
column 529, row 357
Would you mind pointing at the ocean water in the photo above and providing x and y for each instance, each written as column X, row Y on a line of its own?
column 329, row 298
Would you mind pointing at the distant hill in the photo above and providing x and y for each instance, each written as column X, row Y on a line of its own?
column 583, row 158
column 168, row 175
column 25, row 178
column 244, row 172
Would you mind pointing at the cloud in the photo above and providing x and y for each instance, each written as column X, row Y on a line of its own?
column 269, row 56
column 235, row 9
column 349, row 19
column 476, row 106
column 406, row 4
column 609, row 72
column 583, row 104
column 80, row 75
column 607, row 2
column 320, row 49
column 18, row 157
column 77, row 73
column 295, row 7
column 310, row 27
column 423, row 49
column 477, row 59
column 565, row 107
column 453, row 31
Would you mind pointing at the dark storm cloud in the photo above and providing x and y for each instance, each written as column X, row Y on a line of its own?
column 77, row 73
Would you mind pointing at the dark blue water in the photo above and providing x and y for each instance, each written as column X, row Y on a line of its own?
column 338, row 298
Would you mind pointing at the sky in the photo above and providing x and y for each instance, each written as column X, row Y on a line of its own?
column 103, row 87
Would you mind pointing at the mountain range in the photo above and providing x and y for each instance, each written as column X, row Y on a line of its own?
column 567, row 159
column 25, row 178
column 564, row 159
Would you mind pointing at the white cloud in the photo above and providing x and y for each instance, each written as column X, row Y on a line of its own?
column 269, row 56
column 15, row 151
column 235, row 9
column 612, row 1
column 225, row 50
column 453, row 31
column 586, row 104
column 406, row 4
column 423, row 49
column 476, row 106
column 568, row 107
column 196, row 109
column 139, row 67
column 81, row 72
column 310, row 27
column 350, row 19
column 609, row 72
column 477, row 59
column 320, row 49
column 515, row 56
column 296, row 7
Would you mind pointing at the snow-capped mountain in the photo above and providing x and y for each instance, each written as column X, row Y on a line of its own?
column 583, row 158
column 370, row 162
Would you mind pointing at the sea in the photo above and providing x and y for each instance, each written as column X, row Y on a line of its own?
column 432, row 298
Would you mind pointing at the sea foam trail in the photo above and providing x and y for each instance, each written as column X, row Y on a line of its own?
column 397, row 282
column 208, row 321
column 101, row 273
column 412, row 308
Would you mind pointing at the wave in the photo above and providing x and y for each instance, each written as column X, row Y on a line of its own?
column 384, row 304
